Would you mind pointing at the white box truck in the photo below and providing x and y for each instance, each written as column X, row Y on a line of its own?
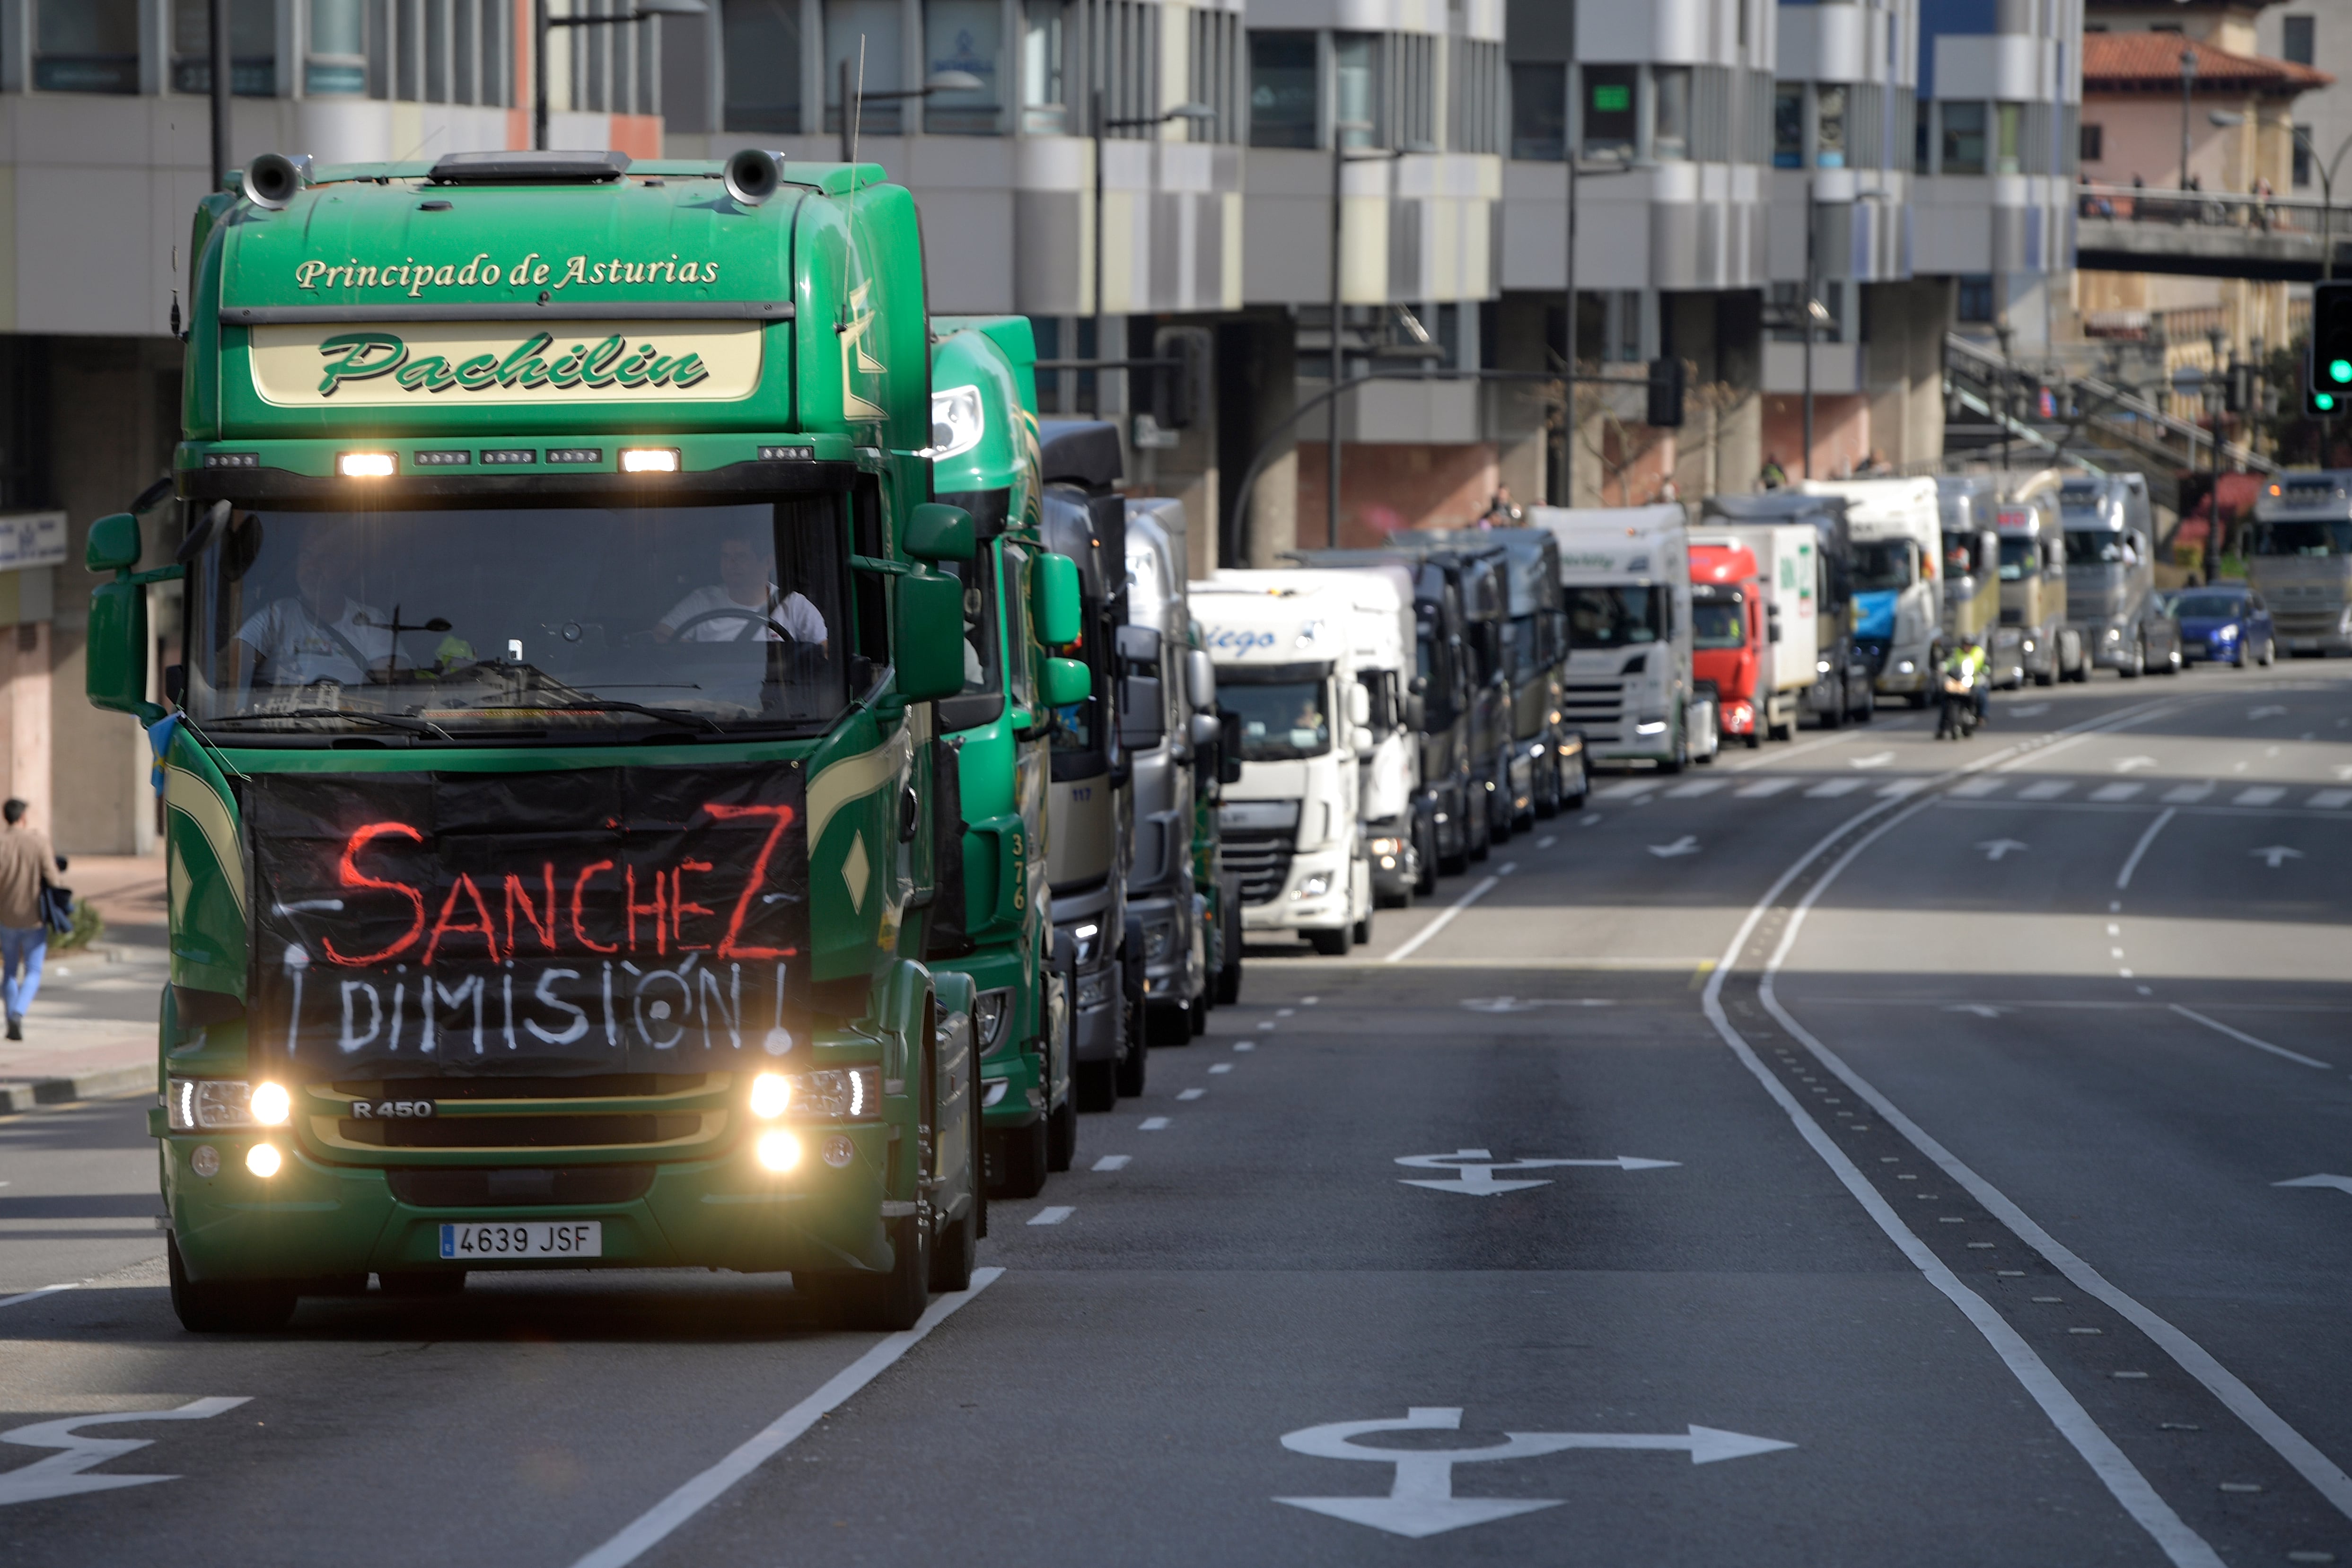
column 1298, row 722
column 1626, row 573
column 1898, row 550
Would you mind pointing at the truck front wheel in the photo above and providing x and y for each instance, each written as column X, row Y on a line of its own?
column 1019, row 1162
column 226, row 1306
column 1062, row 1134
column 888, row 1302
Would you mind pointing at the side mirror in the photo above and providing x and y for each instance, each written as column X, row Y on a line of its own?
column 1142, row 717
column 113, row 545
column 1360, row 706
column 929, row 652
column 1200, row 680
column 935, row 531
column 1067, row 681
column 1772, row 629
column 1054, row 602
column 114, row 672
column 1362, row 740
column 1139, row 645
column 1205, row 730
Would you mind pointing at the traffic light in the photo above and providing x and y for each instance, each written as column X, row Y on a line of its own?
column 2321, row 405
column 2330, row 370
column 1665, row 395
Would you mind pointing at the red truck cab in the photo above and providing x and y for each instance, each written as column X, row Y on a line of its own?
column 1728, row 635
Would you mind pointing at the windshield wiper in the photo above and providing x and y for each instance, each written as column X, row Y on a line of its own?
column 678, row 715
column 390, row 721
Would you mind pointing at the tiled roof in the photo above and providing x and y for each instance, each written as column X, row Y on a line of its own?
column 2136, row 62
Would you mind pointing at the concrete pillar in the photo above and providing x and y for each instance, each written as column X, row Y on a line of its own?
column 1257, row 391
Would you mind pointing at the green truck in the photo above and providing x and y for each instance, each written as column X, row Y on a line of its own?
column 557, row 811
column 984, row 458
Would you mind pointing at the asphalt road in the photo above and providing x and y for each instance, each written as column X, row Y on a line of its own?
column 1934, row 1102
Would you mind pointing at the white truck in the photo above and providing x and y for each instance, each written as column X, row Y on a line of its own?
column 1299, row 723
column 1381, row 655
column 1626, row 573
column 1898, row 550
column 1788, row 569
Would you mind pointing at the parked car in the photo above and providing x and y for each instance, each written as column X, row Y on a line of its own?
column 2227, row 624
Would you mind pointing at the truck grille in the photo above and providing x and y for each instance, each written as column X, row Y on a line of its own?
column 611, row 1111
column 1261, row 859
column 1596, row 707
column 520, row 1132
column 457, row 1187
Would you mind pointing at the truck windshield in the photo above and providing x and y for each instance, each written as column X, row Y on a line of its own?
column 1281, row 720
column 557, row 620
column 1881, row 564
column 2317, row 538
column 1718, row 622
column 1522, row 648
column 1615, row 617
column 2099, row 546
column 2020, row 559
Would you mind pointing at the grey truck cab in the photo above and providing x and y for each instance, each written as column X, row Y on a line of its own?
column 2111, row 576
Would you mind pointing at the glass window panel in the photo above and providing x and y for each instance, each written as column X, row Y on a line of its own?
column 876, row 24
column 1788, row 126
column 1670, row 137
column 964, row 36
column 1610, row 125
column 1354, row 63
column 2011, row 118
column 1829, row 127
column 1282, row 90
column 760, row 40
column 1964, row 137
column 1539, row 111
column 1045, row 97
column 85, row 45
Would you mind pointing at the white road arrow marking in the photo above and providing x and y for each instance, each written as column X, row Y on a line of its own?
column 2027, row 710
column 1511, row 1005
column 60, row 1475
column 1475, row 1170
column 1995, row 849
column 2134, row 764
column 1875, row 759
column 1685, row 845
column 1421, row 1501
column 2270, row 710
column 2277, row 854
column 2341, row 1184
column 1982, row 1010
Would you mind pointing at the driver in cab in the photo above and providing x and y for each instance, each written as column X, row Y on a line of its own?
column 319, row 633
column 745, row 605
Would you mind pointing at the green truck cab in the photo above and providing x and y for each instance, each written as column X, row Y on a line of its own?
column 552, row 804
column 984, row 458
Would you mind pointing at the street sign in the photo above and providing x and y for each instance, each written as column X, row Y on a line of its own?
column 32, row 539
column 1421, row 1501
column 1475, row 1171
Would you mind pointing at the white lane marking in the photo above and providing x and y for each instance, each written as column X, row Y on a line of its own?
column 2260, row 795
column 60, row 1475
column 1588, row 819
column 1781, row 754
column 1833, row 788
column 1191, row 1094
column 1996, row 849
column 2047, row 789
column 2330, row 800
column 1265, row 1023
column 1546, row 841
column 2269, row 710
column 1112, row 1162
column 1152, row 1124
column 1506, row 868
column 2025, row 710
column 1685, row 845
column 2129, row 1487
column 655, row 1524
column 33, row 1295
column 1285, row 1012
column 2246, row 1038
column 1696, row 787
column 1875, row 759
column 2188, row 794
column 2131, row 861
column 2134, row 764
column 2277, row 854
column 2117, row 791
column 1625, row 789
column 1245, row 1045
column 1309, row 1001
column 1982, row 1010
column 1897, row 789
column 1763, row 787
column 1222, row 1067
column 1052, row 1214
column 2341, row 1184
column 1474, row 1170
column 1978, row 788
column 1445, row 918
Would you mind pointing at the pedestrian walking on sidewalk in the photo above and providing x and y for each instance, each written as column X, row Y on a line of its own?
column 28, row 864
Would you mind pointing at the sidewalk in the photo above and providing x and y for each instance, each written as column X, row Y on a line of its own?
column 92, row 1032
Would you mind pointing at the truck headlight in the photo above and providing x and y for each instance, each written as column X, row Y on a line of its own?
column 202, row 1104
column 1094, row 989
column 992, row 1016
column 1906, row 667
column 836, row 1093
column 1388, row 846
column 772, row 1095
column 1313, row 886
column 1159, row 941
column 270, row 1104
column 1821, row 667
column 264, row 1160
column 1651, row 727
column 1089, row 938
column 2029, row 645
column 2115, row 633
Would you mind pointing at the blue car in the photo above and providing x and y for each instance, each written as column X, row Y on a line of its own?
column 2228, row 623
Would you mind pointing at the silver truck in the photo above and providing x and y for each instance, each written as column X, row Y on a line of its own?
column 2111, row 577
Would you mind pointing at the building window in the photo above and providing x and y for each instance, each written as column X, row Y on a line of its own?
column 1045, row 97
column 2094, row 143
column 1964, row 137
column 760, row 45
column 1976, row 296
column 1540, row 111
column 872, row 25
column 1471, row 98
column 1829, row 127
column 1670, row 133
column 2008, row 119
column 1216, row 74
column 85, row 45
column 1609, row 123
column 2295, row 40
column 2301, row 167
column 1282, row 90
column 1788, row 126
column 1356, row 97
column 963, row 36
column 252, row 47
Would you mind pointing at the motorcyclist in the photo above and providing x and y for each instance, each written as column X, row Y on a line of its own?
column 1962, row 680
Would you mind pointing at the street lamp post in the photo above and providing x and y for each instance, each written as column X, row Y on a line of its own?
column 853, row 100
column 1194, row 112
column 2327, row 197
column 1576, row 168
column 2216, row 393
column 2188, row 83
column 1339, row 161
column 643, row 10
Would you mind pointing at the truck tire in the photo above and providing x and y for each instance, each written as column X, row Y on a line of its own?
column 953, row 1249
column 1136, row 1063
column 1918, row 699
column 1020, row 1162
column 1229, row 972
column 1165, row 1023
column 1360, row 934
column 887, row 1303
column 1547, row 788
column 1062, row 1136
column 2138, row 665
column 1094, row 1086
column 1199, row 1018
column 2047, row 677
column 1329, row 944
column 1474, row 830
column 226, row 1306
column 1425, row 882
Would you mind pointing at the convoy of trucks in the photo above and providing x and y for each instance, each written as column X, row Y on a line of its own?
column 763, row 782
